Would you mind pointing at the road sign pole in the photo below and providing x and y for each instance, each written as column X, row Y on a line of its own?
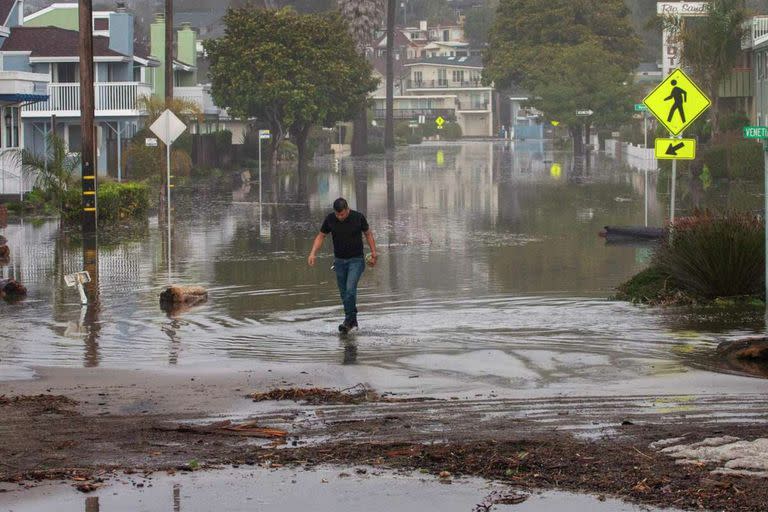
column 765, row 221
column 645, row 129
column 168, row 187
column 645, row 189
column 260, row 182
column 672, row 194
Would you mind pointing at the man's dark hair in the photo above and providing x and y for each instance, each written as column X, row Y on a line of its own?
column 340, row 205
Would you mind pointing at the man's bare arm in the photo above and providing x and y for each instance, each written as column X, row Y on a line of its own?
column 372, row 245
column 316, row 245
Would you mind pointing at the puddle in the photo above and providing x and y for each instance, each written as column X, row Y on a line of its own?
column 325, row 489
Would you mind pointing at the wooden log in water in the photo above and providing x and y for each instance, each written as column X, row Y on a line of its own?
column 183, row 295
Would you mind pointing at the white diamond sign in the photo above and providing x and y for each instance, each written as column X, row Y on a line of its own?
column 168, row 127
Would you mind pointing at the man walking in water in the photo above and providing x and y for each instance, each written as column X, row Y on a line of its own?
column 678, row 97
column 347, row 228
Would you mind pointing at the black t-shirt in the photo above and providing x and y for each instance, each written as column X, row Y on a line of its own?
column 347, row 234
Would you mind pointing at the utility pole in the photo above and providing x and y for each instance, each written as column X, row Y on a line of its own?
column 389, row 124
column 168, row 52
column 87, row 154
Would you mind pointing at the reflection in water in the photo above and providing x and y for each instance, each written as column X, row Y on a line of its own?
column 481, row 247
column 350, row 351
column 91, row 318
column 92, row 504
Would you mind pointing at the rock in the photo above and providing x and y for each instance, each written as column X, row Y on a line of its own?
column 12, row 289
column 755, row 349
column 747, row 355
column 5, row 251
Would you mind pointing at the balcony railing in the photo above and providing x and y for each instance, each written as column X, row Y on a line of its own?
column 756, row 32
column 442, row 84
column 198, row 95
column 117, row 98
column 413, row 113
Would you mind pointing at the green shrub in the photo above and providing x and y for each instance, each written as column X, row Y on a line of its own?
column 402, row 130
column 651, row 286
column 401, row 141
column 715, row 256
column 716, row 158
column 120, row 201
column 413, row 138
column 745, row 159
column 451, row 131
column 376, row 148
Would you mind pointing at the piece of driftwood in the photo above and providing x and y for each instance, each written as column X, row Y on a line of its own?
column 5, row 251
column 12, row 288
column 747, row 355
column 183, row 295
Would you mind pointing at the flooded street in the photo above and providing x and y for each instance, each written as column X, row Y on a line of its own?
column 489, row 347
column 491, row 276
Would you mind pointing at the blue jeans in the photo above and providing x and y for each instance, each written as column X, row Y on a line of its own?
column 348, row 272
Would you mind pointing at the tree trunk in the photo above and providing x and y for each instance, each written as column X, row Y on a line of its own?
column 389, row 130
column 301, row 144
column 360, row 133
column 715, row 117
column 578, row 143
column 587, row 133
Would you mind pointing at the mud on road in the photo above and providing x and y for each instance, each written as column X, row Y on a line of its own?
column 52, row 436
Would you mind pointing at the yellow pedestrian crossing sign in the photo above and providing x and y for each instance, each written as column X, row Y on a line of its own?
column 677, row 102
column 675, row 149
column 440, row 122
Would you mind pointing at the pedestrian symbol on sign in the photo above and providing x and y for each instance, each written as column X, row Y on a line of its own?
column 678, row 97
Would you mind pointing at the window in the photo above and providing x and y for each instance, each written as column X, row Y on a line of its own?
column 11, row 120
column 446, row 35
column 760, row 67
column 458, row 75
column 417, row 77
column 442, row 77
column 66, row 72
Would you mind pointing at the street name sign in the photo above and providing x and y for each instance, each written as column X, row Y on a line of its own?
column 639, row 107
column 756, row 132
column 584, row 112
column 168, row 127
column 264, row 134
column 675, row 149
column 150, row 142
column 677, row 102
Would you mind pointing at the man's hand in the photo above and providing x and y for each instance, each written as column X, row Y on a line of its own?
column 311, row 260
column 372, row 259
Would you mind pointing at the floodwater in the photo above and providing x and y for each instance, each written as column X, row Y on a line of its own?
column 490, row 270
column 324, row 489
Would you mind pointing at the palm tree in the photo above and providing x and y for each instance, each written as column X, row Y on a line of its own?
column 55, row 172
column 711, row 46
column 363, row 17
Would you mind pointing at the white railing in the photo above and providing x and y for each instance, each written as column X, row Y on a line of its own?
column 117, row 97
column 11, row 177
column 757, row 31
column 199, row 95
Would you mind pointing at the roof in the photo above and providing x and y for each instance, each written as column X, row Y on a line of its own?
column 12, row 99
column 400, row 40
column 380, row 65
column 54, row 42
column 6, row 6
column 473, row 61
column 648, row 67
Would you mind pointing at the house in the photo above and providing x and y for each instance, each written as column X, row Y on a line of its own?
column 19, row 86
column 48, row 43
column 753, row 77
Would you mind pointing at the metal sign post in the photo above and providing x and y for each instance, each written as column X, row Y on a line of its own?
column 168, row 127
column 761, row 132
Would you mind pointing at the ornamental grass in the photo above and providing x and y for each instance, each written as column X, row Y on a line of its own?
column 713, row 256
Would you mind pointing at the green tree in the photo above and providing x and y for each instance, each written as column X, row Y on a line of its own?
column 569, row 54
column 291, row 70
column 711, row 47
column 478, row 22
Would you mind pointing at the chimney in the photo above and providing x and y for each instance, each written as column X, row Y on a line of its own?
column 423, row 25
column 121, row 30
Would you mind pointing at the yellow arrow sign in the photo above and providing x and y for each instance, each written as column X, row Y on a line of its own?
column 677, row 102
column 439, row 121
column 675, row 149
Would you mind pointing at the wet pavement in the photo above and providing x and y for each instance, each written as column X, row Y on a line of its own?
column 297, row 491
